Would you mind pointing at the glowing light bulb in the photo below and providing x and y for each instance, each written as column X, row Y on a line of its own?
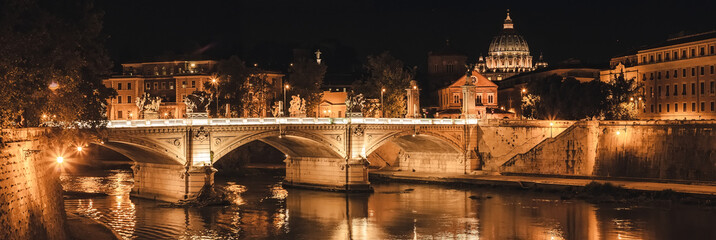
column 79, row 149
column 60, row 159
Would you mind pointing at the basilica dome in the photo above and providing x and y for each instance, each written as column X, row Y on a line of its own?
column 508, row 54
column 508, row 41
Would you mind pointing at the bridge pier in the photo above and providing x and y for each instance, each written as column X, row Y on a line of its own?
column 170, row 183
column 334, row 174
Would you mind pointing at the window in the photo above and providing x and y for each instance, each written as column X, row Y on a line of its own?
column 193, row 84
column 156, row 85
column 683, row 53
column 658, row 91
column 667, row 107
column 702, row 88
column 171, row 86
column 701, row 51
column 676, row 107
column 658, row 75
column 703, row 106
column 643, row 59
column 659, row 107
column 651, row 58
column 712, row 69
column 490, row 98
column 149, row 86
column 676, row 91
column 693, row 52
column 652, row 107
column 693, row 89
column 683, row 89
column 164, row 85
column 684, row 107
column 666, row 56
column 711, row 50
column 119, row 99
column 667, row 74
column 129, row 99
column 644, row 76
column 667, row 90
column 676, row 55
column 478, row 98
column 676, row 73
column 129, row 115
column 119, row 114
column 119, row 86
column 183, row 84
column 129, row 86
column 455, row 97
column 693, row 72
column 712, row 106
column 683, row 72
column 711, row 87
column 693, row 107
column 658, row 57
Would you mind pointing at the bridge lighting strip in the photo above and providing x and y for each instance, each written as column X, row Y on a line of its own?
column 271, row 121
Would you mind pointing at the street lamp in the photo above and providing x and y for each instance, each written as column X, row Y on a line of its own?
column 216, row 88
column 382, row 109
column 522, row 93
column 551, row 124
column 283, row 106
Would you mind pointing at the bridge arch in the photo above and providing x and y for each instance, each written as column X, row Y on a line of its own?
column 410, row 141
column 294, row 143
column 141, row 154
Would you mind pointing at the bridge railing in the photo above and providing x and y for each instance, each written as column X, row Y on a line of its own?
column 269, row 121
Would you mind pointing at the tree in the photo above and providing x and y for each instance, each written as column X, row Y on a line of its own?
column 555, row 97
column 621, row 98
column 58, row 44
column 386, row 72
column 245, row 89
column 305, row 78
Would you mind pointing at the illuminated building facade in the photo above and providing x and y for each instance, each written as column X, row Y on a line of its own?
column 171, row 80
column 678, row 77
column 451, row 98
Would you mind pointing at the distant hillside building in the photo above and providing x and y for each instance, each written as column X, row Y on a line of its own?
column 508, row 55
column 678, row 77
column 445, row 65
column 171, row 80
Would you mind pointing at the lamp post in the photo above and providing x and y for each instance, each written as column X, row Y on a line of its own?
column 522, row 93
column 382, row 109
column 216, row 91
column 283, row 106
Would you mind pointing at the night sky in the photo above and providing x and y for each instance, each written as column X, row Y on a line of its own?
column 264, row 31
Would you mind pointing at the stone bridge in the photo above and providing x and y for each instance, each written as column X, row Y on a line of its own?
column 174, row 156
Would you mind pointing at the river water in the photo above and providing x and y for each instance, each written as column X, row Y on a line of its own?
column 264, row 210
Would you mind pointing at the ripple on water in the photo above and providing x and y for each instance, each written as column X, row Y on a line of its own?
column 263, row 209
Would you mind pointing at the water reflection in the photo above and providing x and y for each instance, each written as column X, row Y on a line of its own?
column 263, row 209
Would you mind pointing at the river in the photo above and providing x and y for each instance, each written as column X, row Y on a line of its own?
column 262, row 209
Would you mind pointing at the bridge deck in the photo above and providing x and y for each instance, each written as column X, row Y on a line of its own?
column 270, row 121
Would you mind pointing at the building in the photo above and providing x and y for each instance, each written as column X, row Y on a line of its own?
column 512, row 90
column 677, row 77
column 333, row 101
column 171, row 80
column 451, row 98
column 508, row 55
column 445, row 65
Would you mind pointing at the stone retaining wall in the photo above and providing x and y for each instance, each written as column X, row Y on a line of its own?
column 31, row 205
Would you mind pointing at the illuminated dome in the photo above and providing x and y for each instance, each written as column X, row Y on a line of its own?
column 508, row 51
